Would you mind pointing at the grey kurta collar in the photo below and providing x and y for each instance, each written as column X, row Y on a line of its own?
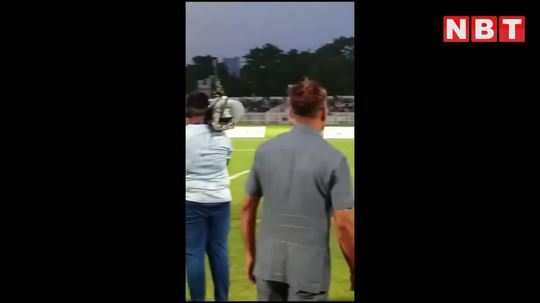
column 301, row 128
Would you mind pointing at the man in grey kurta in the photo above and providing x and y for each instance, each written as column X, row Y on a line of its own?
column 304, row 182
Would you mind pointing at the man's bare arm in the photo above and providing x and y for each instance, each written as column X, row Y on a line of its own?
column 344, row 223
column 248, row 219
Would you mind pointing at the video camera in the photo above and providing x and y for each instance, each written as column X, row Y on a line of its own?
column 223, row 113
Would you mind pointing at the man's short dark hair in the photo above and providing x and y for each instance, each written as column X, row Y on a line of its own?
column 197, row 103
column 307, row 98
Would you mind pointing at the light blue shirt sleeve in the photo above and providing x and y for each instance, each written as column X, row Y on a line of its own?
column 229, row 147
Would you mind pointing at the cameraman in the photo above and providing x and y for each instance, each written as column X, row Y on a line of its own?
column 207, row 200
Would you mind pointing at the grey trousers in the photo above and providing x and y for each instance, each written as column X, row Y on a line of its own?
column 278, row 291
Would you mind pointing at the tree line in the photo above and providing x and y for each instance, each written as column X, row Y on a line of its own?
column 268, row 70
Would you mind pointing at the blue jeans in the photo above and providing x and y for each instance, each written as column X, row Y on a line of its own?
column 207, row 229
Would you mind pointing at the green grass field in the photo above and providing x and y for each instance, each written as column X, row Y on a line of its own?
column 240, row 288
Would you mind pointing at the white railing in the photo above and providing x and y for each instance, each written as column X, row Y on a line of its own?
column 283, row 118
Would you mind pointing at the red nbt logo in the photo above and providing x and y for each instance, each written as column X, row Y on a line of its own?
column 507, row 29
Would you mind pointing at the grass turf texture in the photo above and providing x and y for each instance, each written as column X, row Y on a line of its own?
column 240, row 288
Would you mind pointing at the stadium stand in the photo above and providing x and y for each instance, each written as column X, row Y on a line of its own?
column 274, row 110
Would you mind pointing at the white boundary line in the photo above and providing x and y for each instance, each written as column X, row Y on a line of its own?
column 238, row 174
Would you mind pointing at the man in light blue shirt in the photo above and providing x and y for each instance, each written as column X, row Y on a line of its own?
column 207, row 201
column 207, row 153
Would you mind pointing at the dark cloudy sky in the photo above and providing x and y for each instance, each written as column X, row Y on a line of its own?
column 233, row 28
